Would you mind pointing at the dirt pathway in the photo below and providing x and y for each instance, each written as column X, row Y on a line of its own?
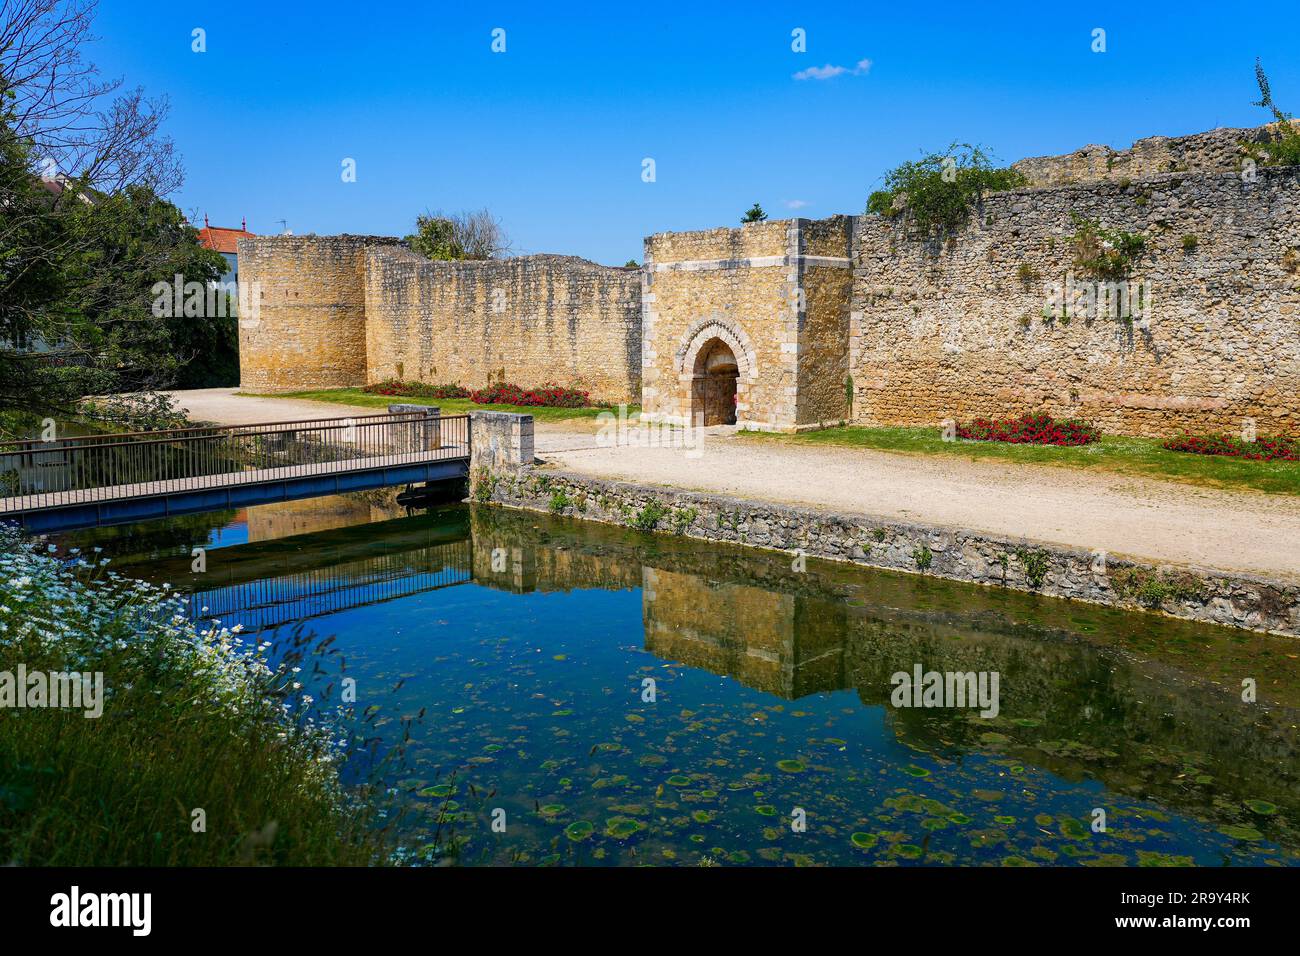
column 221, row 406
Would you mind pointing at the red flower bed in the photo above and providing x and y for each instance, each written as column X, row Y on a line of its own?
column 551, row 396
column 1261, row 449
column 1030, row 430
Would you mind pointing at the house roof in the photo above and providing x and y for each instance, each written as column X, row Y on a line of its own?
column 220, row 238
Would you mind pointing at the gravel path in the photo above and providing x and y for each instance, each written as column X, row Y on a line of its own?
column 1163, row 522
column 222, row 406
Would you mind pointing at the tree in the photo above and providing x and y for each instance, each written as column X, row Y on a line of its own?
column 754, row 214
column 465, row 235
column 84, row 230
column 1283, row 147
column 79, row 126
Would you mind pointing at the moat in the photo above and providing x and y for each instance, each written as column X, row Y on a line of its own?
column 627, row 698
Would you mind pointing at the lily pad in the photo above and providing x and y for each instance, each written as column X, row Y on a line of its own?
column 1241, row 832
column 621, row 827
column 579, row 831
column 1072, row 829
column 791, row 766
column 864, row 841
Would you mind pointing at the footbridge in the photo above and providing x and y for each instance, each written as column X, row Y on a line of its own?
column 135, row 476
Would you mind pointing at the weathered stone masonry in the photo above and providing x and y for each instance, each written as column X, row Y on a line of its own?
column 961, row 332
column 345, row 311
column 309, row 329
column 802, row 324
column 1211, row 597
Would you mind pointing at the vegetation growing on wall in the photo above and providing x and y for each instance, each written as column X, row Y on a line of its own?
column 936, row 194
column 755, row 213
column 1283, row 146
column 1103, row 253
column 455, row 236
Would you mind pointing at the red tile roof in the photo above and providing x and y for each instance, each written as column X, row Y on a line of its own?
column 219, row 238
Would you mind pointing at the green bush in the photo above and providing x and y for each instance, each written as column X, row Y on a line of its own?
column 648, row 518
column 937, row 192
column 923, row 557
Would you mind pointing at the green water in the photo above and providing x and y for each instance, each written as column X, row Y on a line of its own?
column 520, row 646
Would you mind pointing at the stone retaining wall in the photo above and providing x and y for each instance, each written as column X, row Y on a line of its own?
column 1190, row 593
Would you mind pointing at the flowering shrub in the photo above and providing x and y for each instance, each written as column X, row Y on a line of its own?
column 188, row 717
column 1262, row 449
column 417, row 389
column 1041, row 429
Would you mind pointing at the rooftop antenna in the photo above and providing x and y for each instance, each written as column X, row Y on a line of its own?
column 284, row 226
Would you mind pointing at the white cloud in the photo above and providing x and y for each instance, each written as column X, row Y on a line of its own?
column 795, row 203
column 831, row 70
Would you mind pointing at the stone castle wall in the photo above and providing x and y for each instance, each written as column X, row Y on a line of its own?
column 527, row 320
column 848, row 318
column 961, row 331
column 337, row 311
column 308, row 329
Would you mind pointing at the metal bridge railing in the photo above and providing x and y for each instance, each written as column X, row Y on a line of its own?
column 37, row 474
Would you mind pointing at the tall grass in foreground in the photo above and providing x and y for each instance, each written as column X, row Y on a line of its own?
column 192, row 721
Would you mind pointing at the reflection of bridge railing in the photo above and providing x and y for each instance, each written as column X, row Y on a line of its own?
column 37, row 475
column 269, row 602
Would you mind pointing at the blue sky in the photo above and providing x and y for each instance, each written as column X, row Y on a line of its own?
column 551, row 134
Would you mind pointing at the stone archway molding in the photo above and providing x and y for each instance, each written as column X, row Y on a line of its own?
column 716, row 327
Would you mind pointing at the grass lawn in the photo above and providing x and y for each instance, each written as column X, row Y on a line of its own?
column 449, row 406
column 1114, row 453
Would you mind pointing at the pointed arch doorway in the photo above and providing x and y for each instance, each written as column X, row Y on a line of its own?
column 713, row 384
